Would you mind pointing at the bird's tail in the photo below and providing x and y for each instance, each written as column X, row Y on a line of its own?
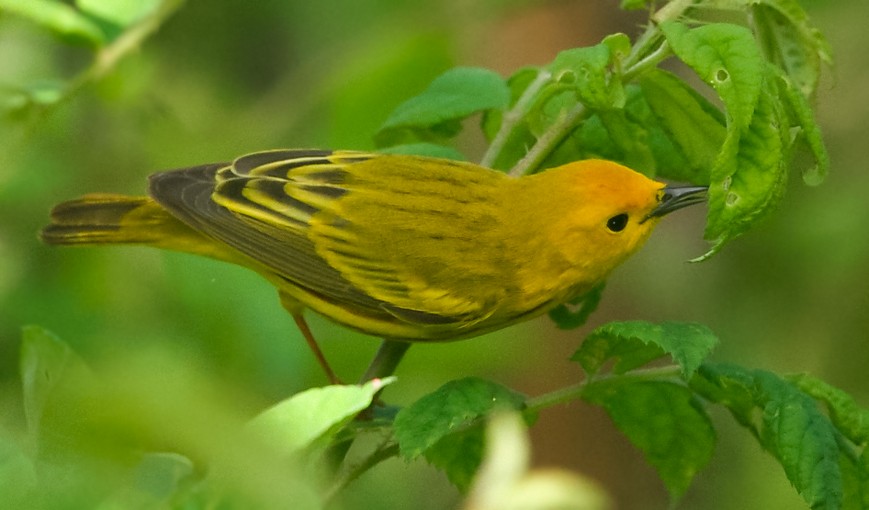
column 99, row 218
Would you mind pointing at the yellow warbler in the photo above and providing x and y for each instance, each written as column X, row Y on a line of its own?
column 403, row 247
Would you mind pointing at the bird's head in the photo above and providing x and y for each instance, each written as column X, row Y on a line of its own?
column 609, row 210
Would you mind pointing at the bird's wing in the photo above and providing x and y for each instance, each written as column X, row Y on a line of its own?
column 373, row 234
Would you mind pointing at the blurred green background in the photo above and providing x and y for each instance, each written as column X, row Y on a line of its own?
column 220, row 79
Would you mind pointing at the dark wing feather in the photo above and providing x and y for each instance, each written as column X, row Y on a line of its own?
column 262, row 205
column 187, row 194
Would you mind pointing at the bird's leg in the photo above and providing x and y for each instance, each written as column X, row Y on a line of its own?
column 386, row 360
column 388, row 357
column 306, row 332
column 295, row 308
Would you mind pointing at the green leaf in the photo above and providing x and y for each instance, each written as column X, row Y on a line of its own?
column 46, row 362
column 799, row 108
column 669, row 160
column 731, row 386
column 790, row 42
column 788, row 424
column 690, row 121
column 451, row 97
column 726, row 57
column 18, row 480
column 120, row 12
column 156, row 482
column 314, row 416
column 849, row 418
column 749, row 177
column 803, row 440
column 630, row 138
column 452, row 407
column 565, row 318
column 633, row 5
column 426, row 149
column 584, row 71
column 664, row 421
column 58, row 17
column 521, row 137
column 459, row 455
column 635, row 343
column 855, row 480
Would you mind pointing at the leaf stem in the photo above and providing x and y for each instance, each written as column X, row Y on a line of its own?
column 130, row 40
column 574, row 392
column 649, row 61
column 550, row 139
column 513, row 116
column 384, row 452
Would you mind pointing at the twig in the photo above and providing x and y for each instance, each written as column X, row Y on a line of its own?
column 513, row 116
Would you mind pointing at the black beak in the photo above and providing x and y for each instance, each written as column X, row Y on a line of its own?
column 673, row 198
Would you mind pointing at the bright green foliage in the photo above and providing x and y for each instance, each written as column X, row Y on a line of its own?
column 60, row 18
column 727, row 58
column 119, row 12
column 664, row 420
column 135, row 439
column 313, row 417
column 749, row 176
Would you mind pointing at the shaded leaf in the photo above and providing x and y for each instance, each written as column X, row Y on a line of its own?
column 803, row 440
column 459, row 455
column 849, row 418
column 155, row 483
column 694, row 124
column 46, row 362
column 791, row 42
column 799, row 108
column 664, row 421
column 731, row 386
column 635, row 343
column 451, row 97
column 565, row 318
column 425, row 149
column 789, row 425
column 855, row 480
column 449, row 409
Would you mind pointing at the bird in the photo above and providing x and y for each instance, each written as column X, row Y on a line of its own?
column 402, row 247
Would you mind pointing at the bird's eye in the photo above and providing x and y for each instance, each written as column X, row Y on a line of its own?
column 617, row 223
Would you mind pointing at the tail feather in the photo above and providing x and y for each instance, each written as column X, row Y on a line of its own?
column 121, row 219
column 105, row 219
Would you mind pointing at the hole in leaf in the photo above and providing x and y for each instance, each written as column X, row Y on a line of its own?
column 725, row 184
column 722, row 75
column 731, row 198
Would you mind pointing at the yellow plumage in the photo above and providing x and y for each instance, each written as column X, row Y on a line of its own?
column 402, row 247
